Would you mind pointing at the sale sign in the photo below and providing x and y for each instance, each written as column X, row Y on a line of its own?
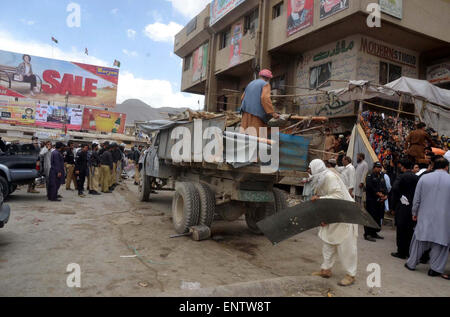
column 103, row 121
column 26, row 76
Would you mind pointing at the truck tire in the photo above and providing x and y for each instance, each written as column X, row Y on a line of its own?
column 262, row 211
column 4, row 187
column 144, row 187
column 207, row 204
column 185, row 207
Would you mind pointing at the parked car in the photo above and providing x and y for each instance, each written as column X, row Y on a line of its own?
column 4, row 211
column 19, row 165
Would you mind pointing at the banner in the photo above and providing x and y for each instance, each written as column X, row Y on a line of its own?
column 236, row 45
column 104, row 121
column 300, row 15
column 200, row 61
column 392, row 7
column 17, row 112
column 330, row 7
column 39, row 78
column 220, row 8
column 439, row 74
column 58, row 117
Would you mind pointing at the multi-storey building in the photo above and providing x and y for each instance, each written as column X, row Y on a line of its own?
column 307, row 43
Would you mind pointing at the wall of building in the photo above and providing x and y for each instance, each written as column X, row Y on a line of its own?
column 415, row 12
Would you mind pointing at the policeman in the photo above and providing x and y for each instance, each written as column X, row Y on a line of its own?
column 81, row 168
column 106, row 163
column 376, row 191
column 94, row 170
column 117, row 157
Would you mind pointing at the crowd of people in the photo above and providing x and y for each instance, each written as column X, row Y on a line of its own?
column 411, row 180
column 96, row 167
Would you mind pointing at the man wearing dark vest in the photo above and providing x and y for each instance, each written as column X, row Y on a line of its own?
column 257, row 107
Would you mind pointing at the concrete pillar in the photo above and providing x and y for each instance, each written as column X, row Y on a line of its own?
column 211, row 82
column 265, row 14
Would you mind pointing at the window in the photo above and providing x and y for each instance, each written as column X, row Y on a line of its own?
column 277, row 10
column 191, row 26
column 389, row 73
column 224, row 38
column 319, row 75
column 187, row 62
column 279, row 83
column 251, row 22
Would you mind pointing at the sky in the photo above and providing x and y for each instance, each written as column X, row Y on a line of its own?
column 138, row 33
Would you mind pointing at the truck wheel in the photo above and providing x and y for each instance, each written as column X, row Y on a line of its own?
column 207, row 204
column 4, row 187
column 144, row 187
column 185, row 207
column 254, row 215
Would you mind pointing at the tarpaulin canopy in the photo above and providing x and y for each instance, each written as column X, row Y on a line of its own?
column 432, row 104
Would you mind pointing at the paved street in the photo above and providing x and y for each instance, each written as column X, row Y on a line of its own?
column 42, row 238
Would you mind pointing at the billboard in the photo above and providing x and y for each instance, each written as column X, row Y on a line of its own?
column 439, row 74
column 220, row 8
column 200, row 61
column 58, row 117
column 392, row 7
column 300, row 15
column 236, row 44
column 330, row 7
column 25, row 76
column 103, row 121
column 17, row 112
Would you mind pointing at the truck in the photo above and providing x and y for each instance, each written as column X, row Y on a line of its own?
column 226, row 189
column 19, row 165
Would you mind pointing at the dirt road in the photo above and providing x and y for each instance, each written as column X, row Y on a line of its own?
column 123, row 249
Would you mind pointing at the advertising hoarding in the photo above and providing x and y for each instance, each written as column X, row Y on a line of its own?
column 300, row 15
column 58, row 117
column 17, row 112
column 220, row 8
column 236, row 44
column 330, row 7
column 25, row 76
column 103, row 121
column 200, row 63
column 392, row 7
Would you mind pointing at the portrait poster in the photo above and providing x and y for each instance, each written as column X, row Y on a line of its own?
column 300, row 15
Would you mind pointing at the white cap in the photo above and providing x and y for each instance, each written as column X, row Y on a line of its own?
column 96, row 142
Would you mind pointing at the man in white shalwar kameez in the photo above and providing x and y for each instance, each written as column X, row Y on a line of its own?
column 339, row 240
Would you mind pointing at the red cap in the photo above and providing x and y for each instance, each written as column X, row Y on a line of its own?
column 266, row 73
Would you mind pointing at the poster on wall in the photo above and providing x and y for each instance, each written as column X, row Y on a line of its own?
column 439, row 74
column 330, row 7
column 220, row 8
column 103, row 121
column 18, row 112
column 39, row 78
column 200, row 63
column 300, row 15
column 58, row 117
column 392, row 7
column 236, row 45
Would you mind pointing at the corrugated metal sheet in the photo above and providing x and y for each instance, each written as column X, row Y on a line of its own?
column 293, row 153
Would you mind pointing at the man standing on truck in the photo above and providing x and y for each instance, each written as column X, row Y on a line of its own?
column 56, row 175
column 257, row 107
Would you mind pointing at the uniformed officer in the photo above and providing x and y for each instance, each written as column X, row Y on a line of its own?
column 376, row 191
column 94, row 170
column 106, row 163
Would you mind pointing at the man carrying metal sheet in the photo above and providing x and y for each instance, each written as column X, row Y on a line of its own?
column 339, row 240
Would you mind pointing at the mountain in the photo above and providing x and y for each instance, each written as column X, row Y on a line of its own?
column 137, row 110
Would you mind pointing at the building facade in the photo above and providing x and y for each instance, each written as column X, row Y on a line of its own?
column 309, row 45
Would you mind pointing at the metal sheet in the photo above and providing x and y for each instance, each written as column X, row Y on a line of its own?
column 293, row 221
column 293, row 153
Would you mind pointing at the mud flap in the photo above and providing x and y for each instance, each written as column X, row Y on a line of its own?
column 295, row 220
